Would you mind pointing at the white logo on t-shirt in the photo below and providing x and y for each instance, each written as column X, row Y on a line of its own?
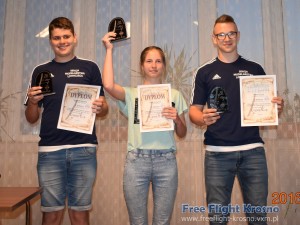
column 216, row 77
column 75, row 73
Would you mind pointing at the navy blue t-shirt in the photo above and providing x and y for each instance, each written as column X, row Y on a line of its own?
column 227, row 131
column 76, row 71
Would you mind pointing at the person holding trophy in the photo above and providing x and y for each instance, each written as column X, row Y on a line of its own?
column 150, row 153
column 67, row 160
column 231, row 150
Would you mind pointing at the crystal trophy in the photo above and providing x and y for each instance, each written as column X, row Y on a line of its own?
column 218, row 100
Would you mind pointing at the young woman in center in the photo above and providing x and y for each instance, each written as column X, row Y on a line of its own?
column 151, row 155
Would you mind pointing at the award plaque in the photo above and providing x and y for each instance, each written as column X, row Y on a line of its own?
column 44, row 79
column 118, row 26
column 218, row 100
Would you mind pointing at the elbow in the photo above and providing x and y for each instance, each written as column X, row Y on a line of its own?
column 181, row 135
column 31, row 120
column 193, row 119
column 108, row 87
column 182, row 132
column 30, row 117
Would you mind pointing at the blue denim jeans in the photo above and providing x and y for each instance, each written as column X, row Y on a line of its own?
column 67, row 174
column 143, row 167
column 250, row 167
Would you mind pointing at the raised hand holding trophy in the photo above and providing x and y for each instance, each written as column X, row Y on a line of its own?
column 118, row 26
column 44, row 79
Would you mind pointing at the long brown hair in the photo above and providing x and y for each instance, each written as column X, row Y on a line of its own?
column 148, row 49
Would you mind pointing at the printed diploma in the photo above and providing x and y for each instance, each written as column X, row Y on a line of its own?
column 256, row 93
column 152, row 100
column 76, row 109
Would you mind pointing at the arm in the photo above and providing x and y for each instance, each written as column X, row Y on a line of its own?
column 32, row 112
column 180, row 125
column 179, row 120
column 100, row 106
column 201, row 116
column 110, row 86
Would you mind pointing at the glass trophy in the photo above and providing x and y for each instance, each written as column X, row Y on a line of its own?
column 44, row 79
column 218, row 100
column 118, row 26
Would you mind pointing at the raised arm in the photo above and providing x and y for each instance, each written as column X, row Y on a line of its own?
column 109, row 84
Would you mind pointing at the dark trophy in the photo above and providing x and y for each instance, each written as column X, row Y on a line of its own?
column 118, row 26
column 44, row 79
column 218, row 100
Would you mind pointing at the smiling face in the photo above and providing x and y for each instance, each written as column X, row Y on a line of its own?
column 152, row 65
column 63, row 43
column 227, row 46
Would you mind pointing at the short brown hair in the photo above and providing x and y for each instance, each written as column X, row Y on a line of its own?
column 225, row 19
column 61, row 22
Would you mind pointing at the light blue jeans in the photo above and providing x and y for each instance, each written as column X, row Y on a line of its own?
column 250, row 167
column 143, row 167
column 67, row 174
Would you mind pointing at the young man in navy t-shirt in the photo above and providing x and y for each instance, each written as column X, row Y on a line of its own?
column 231, row 150
column 67, row 161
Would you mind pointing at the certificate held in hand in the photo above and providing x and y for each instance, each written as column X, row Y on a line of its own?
column 256, row 93
column 76, row 112
column 152, row 100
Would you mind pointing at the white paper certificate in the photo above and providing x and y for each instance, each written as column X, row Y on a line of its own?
column 256, row 93
column 76, row 109
column 152, row 99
